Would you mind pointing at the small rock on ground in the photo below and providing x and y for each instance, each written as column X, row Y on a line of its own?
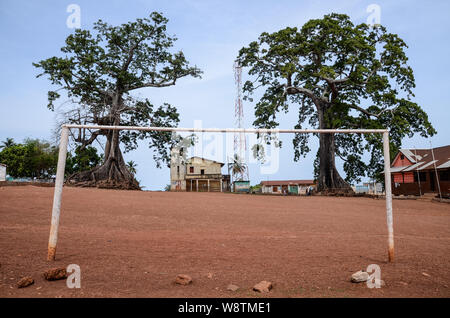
column 263, row 287
column 232, row 287
column 25, row 282
column 359, row 277
column 426, row 274
column 183, row 279
column 55, row 274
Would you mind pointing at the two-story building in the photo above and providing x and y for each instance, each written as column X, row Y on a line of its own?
column 197, row 174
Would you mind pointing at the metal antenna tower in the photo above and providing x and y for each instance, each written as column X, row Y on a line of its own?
column 240, row 144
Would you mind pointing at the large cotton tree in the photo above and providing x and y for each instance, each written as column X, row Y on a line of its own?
column 337, row 75
column 99, row 72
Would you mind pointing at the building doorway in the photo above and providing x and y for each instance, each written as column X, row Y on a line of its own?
column 432, row 182
column 203, row 185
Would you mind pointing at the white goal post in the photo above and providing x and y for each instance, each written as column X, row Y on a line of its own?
column 63, row 154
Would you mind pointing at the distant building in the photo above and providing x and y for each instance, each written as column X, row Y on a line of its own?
column 369, row 188
column 241, row 186
column 413, row 171
column 2, row 172
column 287, row 186
column 197, row 174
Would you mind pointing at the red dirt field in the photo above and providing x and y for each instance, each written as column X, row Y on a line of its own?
column 133, row 244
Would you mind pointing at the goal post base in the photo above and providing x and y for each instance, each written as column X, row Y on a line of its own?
column 51, row 256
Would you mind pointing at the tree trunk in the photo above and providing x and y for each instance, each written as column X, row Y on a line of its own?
column 113, row 173
column 329, row 179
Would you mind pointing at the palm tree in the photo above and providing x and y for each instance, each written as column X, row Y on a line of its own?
column 9, row 142
column 131, row 165
column 237, row 167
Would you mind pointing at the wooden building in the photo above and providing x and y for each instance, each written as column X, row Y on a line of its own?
column 295, row 187
column 197, row 174
column 420, row 171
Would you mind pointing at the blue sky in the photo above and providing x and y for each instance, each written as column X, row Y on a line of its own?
column 210, row 34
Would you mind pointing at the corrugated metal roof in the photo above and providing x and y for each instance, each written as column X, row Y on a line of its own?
column 413, row 167
column 189, row 160
column 396, row 169
column 444, row 165
column 408, row 154
column 427, row 165
column 287, row 182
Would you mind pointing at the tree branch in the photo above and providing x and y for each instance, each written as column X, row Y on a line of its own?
column 364, row 111
column 292, row 90
column 162, row 83
column 94, row 135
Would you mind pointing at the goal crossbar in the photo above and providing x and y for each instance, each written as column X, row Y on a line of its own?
column 232, row 130
column 59, row 182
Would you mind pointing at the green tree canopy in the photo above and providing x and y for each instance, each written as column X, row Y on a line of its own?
column 83, row 159
column 14, row 158
column 100, row 71
column 35, row 158
column 338, row 75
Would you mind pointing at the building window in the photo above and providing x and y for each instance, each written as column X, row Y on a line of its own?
column 202, row 171
column 178, row 170
column 275, row 189
column 444, row 175
column 422, row 177
column 402, row 157
column 191, row 169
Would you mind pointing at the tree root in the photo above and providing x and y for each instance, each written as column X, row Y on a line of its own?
column 106, row 184
column 107, row 176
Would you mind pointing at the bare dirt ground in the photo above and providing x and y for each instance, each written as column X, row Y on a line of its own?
column 133, row 244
